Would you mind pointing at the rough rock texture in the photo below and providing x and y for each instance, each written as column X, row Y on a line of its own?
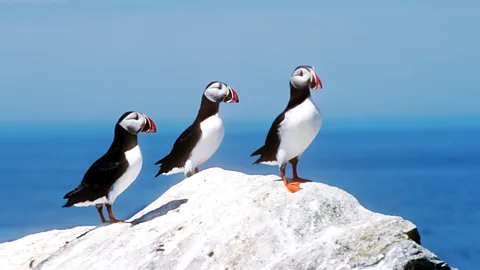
column 221, row 219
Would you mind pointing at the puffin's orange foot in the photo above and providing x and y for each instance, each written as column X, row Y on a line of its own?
column 293, row 187
column 118, row 221
column 302, row 180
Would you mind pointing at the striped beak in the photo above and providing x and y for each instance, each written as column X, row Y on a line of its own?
column 231, row 97
column 315, row 82
column 148, row 125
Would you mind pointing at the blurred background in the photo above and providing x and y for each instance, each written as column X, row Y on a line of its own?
column 400, row 101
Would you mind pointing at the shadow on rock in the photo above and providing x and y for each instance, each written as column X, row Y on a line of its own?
column 162, row 210
column 92, row 229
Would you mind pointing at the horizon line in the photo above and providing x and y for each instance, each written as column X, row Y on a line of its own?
column 379, row 123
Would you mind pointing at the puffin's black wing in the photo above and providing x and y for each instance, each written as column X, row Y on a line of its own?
column 181, row 150
column 268, row 152
column 99, row 178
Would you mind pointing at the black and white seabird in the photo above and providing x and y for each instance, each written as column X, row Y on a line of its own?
column 201, row 139
column 295, row 128
column 111, row 174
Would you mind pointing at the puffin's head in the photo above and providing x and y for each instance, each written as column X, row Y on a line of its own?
column 220, row 92
column 305, row 77
column 135, row 122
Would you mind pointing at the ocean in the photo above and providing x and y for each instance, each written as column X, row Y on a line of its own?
column 428, row 175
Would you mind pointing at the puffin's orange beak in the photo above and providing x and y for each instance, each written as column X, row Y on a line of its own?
column 149, row 126
column 315, row 83
column 232, row 96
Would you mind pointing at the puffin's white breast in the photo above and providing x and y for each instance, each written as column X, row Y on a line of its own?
column 134, row 158
column 212, row 136
column 298, row 129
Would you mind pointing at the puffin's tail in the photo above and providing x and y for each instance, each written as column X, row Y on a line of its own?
column 67, row 204
column 259, row 152
column 73, row 196
column 160, row 162
column 167, row 164
column 68, row 194
column 267, row 154
column 70, row 201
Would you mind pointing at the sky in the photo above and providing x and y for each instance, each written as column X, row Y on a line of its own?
column 89, row 61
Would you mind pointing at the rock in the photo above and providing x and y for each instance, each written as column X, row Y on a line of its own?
column 222, row 219
column 30, row 250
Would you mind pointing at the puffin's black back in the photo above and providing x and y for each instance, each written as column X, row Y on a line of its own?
column 268, row 152
column 103, row 173
column 185, row 143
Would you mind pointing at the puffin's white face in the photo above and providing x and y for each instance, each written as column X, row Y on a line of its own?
column 218, row 92
column 135, row 122
column 305, row 76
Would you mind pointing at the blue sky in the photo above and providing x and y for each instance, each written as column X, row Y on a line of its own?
column 86, row 61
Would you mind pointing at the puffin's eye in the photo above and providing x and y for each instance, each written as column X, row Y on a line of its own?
column 301, row 73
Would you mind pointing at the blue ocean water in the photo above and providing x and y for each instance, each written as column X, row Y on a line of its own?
column 429, row 176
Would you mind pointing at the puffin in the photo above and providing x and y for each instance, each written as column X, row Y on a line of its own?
column 202, row 138
column 295, row 128
column 112, row 173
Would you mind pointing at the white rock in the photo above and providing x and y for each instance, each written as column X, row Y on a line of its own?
column 32, row 249
column 221, row 219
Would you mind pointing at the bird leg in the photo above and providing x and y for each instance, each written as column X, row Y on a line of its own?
column 190, row 173
column 100, row 212
column 110, row 214
column 294, row 162
column 291, row 187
